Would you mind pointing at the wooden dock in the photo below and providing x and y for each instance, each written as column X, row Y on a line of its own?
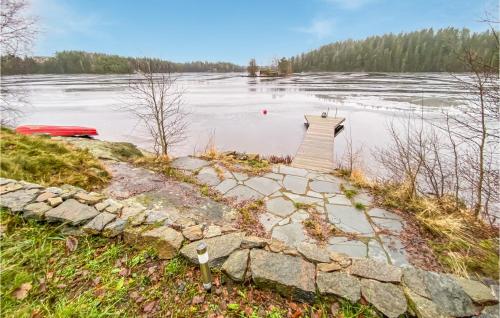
column 316, row 150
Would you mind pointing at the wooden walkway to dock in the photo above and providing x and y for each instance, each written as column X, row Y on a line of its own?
column 316, row 150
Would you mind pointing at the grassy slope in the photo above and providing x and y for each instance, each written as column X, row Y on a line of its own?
column 104, row 278
column 40, row 160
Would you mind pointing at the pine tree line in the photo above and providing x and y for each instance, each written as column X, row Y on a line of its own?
column 420, row 51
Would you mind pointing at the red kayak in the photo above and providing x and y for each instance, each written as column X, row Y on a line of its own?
column 56, row 130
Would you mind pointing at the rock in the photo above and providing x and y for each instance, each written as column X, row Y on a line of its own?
column 243, row 193
column 212, row 231
column 291, row 234
column 444, row 291
column 328, row 267
column 4, row 181
column 280, row 207
column 314, row 194
column 295, row 184
column 395, row 249
column 376, row 251
column 226, row 185
column 16, row 201
column 253, row 242
column 276, row 246
column 342, row 244
column 339, row 284
column 364, row 198
column 44, row 196
column 387, row 298
column 131, row 210
column 240, row 176
column 299, row 216
column 97, row 224
column 102, row 205
column 193, row 233
column 219, row 248
column 88, row 198
column 423, row 307
column 161, row 216
column 184, row 222
column 54, row 190
column 36, row 210
column 189, row 163
column 284, row 221
column 71, row 211
column 313, row 253
column 236, row 265
column 288, row 275
column 293, row 171
column 324, row 186
column 490, row 312
column 477, row 291
column 384, row 214
column 303, row 199
column 113, row 206
column 274, row 176
column 263, row 185
column 375, row 270
column 164, row 239
column 268, row 220
column 10, row 187
column 339, row 199
column 53, row 202
column 114, row 228
column 349, row 219
column 390, row 225
column 208, row 176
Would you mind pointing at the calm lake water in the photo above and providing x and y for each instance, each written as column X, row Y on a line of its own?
column 229, row 106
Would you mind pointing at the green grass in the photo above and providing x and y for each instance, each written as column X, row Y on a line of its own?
column 125, row 151
column 359, row 206
column 350, row 193
column 106, row 278
column 40, row 160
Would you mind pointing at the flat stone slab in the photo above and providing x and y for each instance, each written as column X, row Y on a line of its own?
column 442, row 290
column 376, row 251
column 477, row 291
column 303, row 199
column 299, row 216
column 240, row 176
column 226, row 185
column 391, row 225
column 263, row 185
column 293, row 171
column 268, row 220
column 349, row 219
column 16, row 201
column 114, row 228
column 219, row 248
column 189, row 163
column 364, row 198
column 387, row 298
column 288, row 275
column 353, row 248
column 313, row 252
column 290, row 234
column 280, row 206
column 381, row 213
column 236, row 265
column 36, row 210
column 395, row 249
column 295, row 184
column 71, row 211
column 339, row 199
column 368, row 268
column 97, row 224
column 324, row 186
column 339, row 284
column 274, row 176
column 164, row 239
column 208, row 176
column 243, row 193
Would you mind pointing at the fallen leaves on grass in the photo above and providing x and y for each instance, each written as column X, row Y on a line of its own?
column 22, row 291
column 71, row 243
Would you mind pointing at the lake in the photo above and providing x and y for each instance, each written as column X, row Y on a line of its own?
column 229, row 106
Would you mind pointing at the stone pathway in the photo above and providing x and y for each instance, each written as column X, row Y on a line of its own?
column 286, row 190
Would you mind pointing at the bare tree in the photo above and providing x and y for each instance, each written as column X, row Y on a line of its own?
column 17, row 33
column 157, row 102
column 17, row 28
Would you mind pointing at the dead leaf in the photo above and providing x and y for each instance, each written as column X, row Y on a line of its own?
column 335, row 307
column 123, row 272
column 216, row 281
column 36, row 314
column 197, row 300
column 149, row 306
column 49, row 275
column 43, row 285
column 71, row 243
column 22, row 292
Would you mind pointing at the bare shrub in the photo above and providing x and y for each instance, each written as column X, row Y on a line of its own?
column 157, row 102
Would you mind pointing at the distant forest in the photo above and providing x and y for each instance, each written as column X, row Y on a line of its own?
column 78, row 62
column 420, row 51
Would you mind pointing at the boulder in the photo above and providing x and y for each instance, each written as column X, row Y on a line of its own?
column 53, row 202
column 329, row 267
column 71, row 211
column 236, row 265
column 36, row 210
column 89, row 198
column 164, row 239
column 97, row 224
column 114, row 228
column 313, row 252
column 44, row 196
column 288, row 275
column 193, row 233
column 477, row 291
column 386, row 297
column 339, row 284
column 253, row 242
column 375, row 270
column 212, row 231
column 219, row 248
column 423, row 307
column 10, row 187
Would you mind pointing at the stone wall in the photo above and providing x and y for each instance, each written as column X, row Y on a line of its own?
column 302, row 273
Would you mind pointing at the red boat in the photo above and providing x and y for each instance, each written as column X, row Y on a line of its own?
column 56, row 130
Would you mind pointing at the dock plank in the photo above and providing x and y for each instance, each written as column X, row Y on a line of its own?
column 316, row 150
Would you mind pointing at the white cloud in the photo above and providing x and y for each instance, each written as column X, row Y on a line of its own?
column 320, row 28
column 349, row 4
